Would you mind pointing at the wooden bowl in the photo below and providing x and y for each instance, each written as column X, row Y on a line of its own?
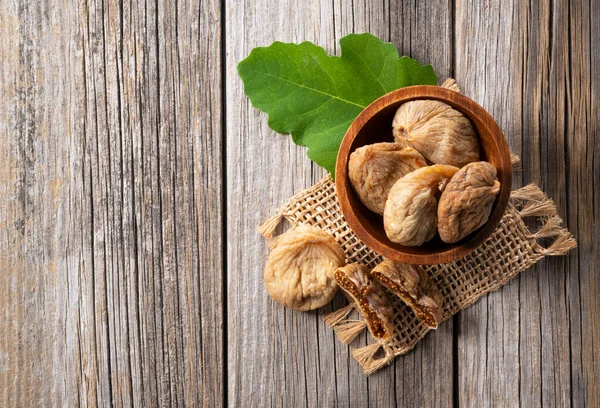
column 373, row 125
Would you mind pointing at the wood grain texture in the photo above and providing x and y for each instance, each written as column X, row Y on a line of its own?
column 276, row 357
column 570, row 145
column 488, row 53
column 111, row 204
column 424, row 30
column 34, row 301
column 128, row 280
column 535, row 75
column 295, row 355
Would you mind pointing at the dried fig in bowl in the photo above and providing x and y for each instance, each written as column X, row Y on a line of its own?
column 410, row 215
column 467, row 200
column 373, row 169
column 440, row 133
column 300, row 268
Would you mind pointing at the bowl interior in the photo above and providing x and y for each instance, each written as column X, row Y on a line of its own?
column 375, row 125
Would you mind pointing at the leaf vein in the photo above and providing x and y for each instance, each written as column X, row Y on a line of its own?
column 310, row 89
column 369, row 69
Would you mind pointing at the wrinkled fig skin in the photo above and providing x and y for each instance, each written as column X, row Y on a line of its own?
column 410, row 215
column 373, row 170
column 299, row 271
column 369, row 297
column 440, row 133
column 466, row 203
column 411, row 284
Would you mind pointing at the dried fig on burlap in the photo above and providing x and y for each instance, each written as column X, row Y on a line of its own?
column 373, row 169
column 411, row 284
column 370, row 299
column 440, row 133
column 300, row 268
column 410, row 215
column 467, row 200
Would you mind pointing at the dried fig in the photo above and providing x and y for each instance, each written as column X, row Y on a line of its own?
column 299, row 271
column 410, row 215
column 370, row 299
column 440, row 133
column 466, row 203
column 373, row 169
column 411, row 284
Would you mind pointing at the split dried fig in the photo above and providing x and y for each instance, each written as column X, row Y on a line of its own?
column 373, row 170
column 410, row 215
column 411, row 284
column 300, row 268
column 370, row 299
column 466, row 203
column 440, row 133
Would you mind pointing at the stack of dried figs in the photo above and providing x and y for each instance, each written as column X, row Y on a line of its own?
column 430, row 180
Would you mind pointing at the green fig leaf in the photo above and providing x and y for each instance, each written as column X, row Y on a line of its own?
column 315, row 97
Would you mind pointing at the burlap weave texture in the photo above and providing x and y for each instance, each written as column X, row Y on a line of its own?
column 511, row 249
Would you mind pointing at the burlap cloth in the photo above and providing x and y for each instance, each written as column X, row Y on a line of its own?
column 511, row 249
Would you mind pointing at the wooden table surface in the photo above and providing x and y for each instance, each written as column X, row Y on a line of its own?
column 134, row 172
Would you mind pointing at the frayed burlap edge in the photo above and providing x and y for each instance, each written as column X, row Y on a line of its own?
column 511, row 249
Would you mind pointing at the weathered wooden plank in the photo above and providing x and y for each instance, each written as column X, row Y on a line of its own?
column 535, row 75
column 38, row 362
column 295, row 356
column 111, row 141
column 272, row 352
column 156, row 174
column 554, row 328
column 489, row 54
column 545, row 356
column 353, row 388
column 581, row 203
column 424, row 377
column 544, row 62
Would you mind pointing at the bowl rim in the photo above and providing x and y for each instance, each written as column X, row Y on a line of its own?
column 470, row 109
